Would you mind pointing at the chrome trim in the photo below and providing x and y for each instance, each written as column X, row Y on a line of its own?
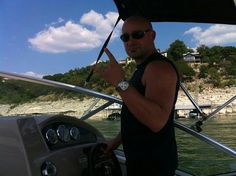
column 120, row 156
column 91, row 113
column 59, row 85
column 191, row 98
column 220, row 107
column 91, row 106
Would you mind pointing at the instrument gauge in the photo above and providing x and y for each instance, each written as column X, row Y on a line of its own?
column 51, row 136
column 75, row 133
column 63, row 133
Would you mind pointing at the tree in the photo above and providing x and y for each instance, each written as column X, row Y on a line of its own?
column 203, row 71
column 216, row 54
column 184, row 69
column 228, row 51
column 230, row 68
column 214, row 77
column 204, row 52
column 176, row 50
column 129, row 69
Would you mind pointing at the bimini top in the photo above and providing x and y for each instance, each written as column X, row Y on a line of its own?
column 203, row 11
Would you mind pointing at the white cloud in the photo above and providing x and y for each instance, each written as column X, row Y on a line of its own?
column 33, row 74
column 217, row 34
column 59, row 20
column 88, row 34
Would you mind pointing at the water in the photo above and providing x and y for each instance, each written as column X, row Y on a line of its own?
column 201, row 159
column 195, row 156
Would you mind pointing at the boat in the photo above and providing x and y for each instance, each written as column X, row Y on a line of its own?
column 50, row 145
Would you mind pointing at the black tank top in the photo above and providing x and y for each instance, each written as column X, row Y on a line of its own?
column 139, row 142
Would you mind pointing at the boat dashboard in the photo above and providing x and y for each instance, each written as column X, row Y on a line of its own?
column 53, row 146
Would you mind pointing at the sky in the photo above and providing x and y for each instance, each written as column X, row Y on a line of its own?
column 46, row 37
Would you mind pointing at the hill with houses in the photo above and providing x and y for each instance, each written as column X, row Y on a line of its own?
column 212, row 67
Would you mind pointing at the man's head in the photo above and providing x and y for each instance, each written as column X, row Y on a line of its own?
column 138, row 37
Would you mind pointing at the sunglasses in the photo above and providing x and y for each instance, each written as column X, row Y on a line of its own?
column 135, row 35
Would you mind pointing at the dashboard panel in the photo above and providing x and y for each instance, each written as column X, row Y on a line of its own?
column 53, row 145
column 62, row 134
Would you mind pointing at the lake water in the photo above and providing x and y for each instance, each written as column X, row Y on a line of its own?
column 195, row 156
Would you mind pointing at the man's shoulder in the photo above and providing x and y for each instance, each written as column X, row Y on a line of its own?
column 158, row 61
column 160, row 67
column 158, row 57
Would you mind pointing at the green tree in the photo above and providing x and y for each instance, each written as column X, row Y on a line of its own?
column 203, row 71
column 204, row 52
column 129, row 69
column 229, row 61
column 176, row 50
column 184, row 69
column 216, row 55
column 228, row 52
column 214, row 77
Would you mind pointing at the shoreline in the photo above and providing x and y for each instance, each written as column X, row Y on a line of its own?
column 212, row 97
column 75, row 107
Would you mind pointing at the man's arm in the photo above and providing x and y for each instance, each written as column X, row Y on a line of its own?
column 114, row 143
column 154, row 108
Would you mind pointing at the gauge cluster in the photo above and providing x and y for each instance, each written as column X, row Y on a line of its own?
column 58, row 135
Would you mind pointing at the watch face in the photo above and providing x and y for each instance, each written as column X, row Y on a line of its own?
column 123, row 85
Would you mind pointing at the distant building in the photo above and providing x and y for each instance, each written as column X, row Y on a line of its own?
column 192, row 57
column 164, row 53
column 129, row 60
column 96, row 62
column 4, row 80
column 123, row 62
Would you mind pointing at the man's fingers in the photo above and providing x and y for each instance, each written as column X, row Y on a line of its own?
column 110, row 55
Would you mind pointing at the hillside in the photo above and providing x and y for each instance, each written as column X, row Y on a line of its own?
column 77, row 107
column 217, row 69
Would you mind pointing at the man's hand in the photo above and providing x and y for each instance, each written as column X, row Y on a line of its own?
column 114, row 73
column 113, row 144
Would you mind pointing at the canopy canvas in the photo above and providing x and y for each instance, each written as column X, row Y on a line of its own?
column 203, row 11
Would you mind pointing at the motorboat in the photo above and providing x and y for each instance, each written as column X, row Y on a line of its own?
column 50, row 145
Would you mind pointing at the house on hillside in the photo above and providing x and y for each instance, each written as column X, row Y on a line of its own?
column 93, row 63
column 163, row 53
column 192, row 57
column 123, row 62
column 126, row 61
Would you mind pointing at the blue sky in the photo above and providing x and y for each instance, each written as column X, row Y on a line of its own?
column 41, row 37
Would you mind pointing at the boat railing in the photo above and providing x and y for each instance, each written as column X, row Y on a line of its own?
column 195, row 104
column 203, row 117
column 221, row 107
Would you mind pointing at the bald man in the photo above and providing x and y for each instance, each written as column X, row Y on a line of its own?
column 149, row 97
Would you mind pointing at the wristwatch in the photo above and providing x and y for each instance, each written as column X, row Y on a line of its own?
column 122, row 86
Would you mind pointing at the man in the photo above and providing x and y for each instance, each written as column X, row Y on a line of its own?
column 147, row 128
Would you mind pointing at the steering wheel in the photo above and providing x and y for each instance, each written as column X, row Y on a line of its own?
column 101, row 164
